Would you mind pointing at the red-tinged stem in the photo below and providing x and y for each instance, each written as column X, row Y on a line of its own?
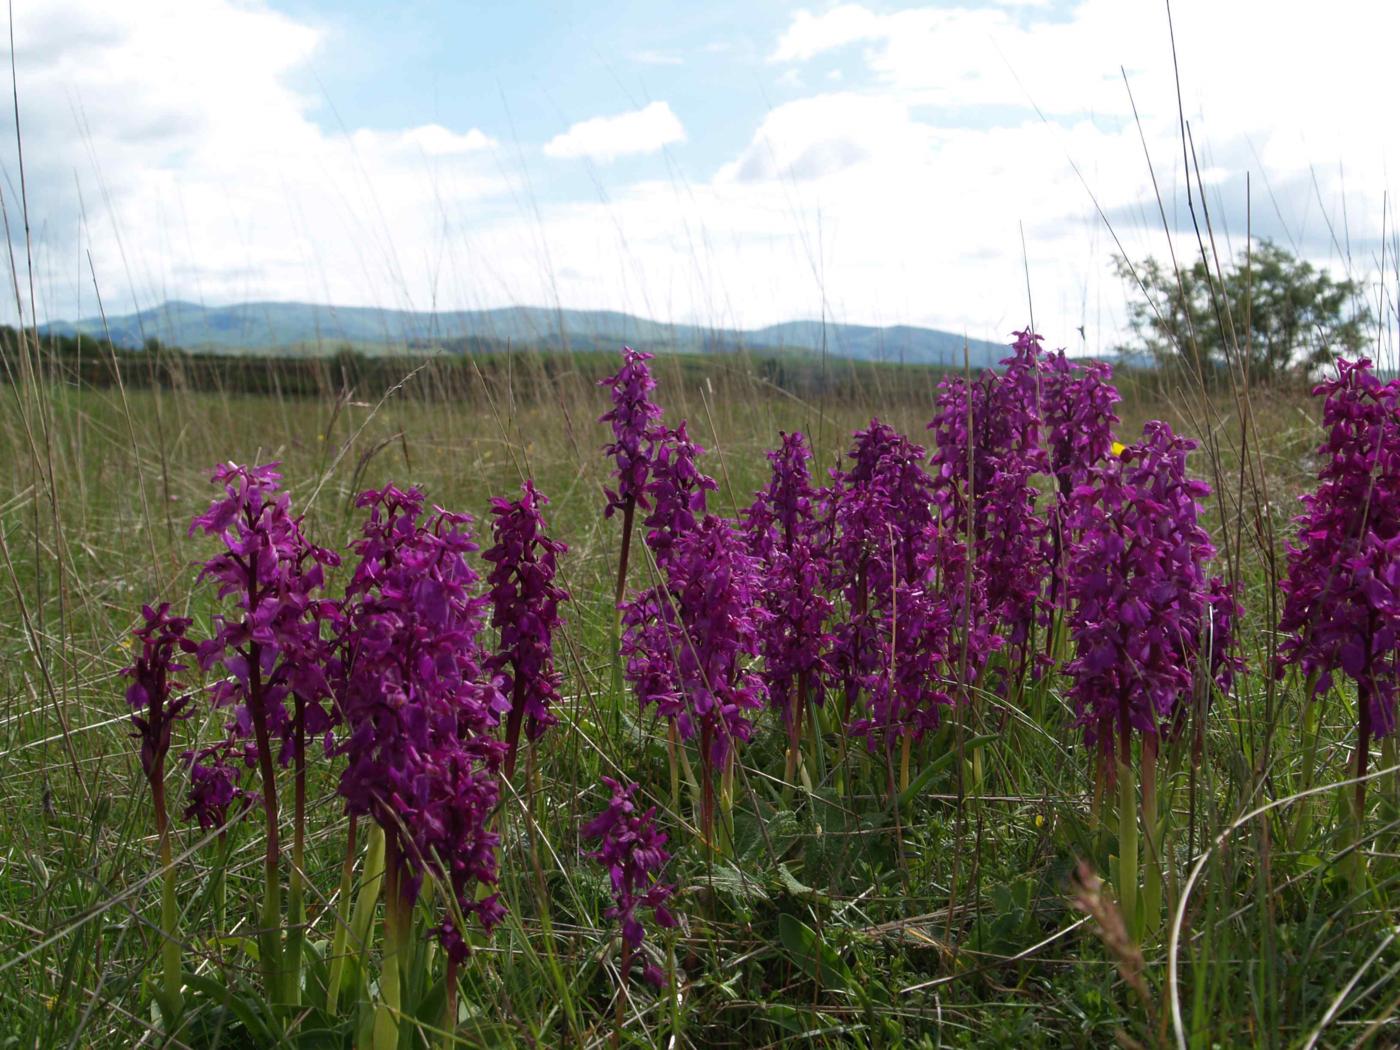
column 513, row 720
column 169, row 912
column 629, row 510
column 795, row 720
column 707, row 789
column 296, row 912
column 449, row 1018
column 269, row 922
column 396, row 917
column 862, row 603
column 618, row 1007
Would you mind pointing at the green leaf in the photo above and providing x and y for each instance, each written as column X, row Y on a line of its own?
column 793, row 888
column 218, row 994
column 813, row 956
column 932, row 769
column 727, row 879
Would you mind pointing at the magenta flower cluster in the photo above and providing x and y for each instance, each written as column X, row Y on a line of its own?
column 988, row 452
column 887, row 542
column 898, row 586
column 677, row 490
column 633, row 851
column 688, row 643
column 525, row 604
column 274, row 647
column 912, row 582
column 1342, row 611
column 632, row 418
column 1078, row 417
column 157, row 702
column 419, row 710
column 1140, row 604
column 392, row 675
column 908, row 583
column 216, row 793
column 1078, row 399
column 784, row 532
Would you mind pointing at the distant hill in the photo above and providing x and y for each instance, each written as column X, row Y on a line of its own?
column 313, row 329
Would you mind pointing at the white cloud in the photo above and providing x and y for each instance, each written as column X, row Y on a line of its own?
column 897, row 196
column 431, row 140
column 809, row 35
column 197, row 171
column 605, row 139
column 946, row 123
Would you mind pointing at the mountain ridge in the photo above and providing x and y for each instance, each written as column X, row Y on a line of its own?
column 254, row 327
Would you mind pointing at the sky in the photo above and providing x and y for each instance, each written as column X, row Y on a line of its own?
column 966, row 166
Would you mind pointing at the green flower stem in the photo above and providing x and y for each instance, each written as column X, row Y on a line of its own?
column 171, row 980
column 372, row 878
column 1358, row 802
column 270, row 915
column 221, row 885
column 396, row 920
column 817, row 774
column 1128, row 847
column 726, row 802
column 1312, row 718
column 341, row 937
column 1389, row 756
column 673, row 746
column 296, row 907
column 1152, row 875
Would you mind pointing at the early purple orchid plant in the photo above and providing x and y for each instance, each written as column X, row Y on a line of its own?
column 420, row 717
column 677, row 491
column 880, row 508
column 988, row 450
column 1148, row 628
column 632, row 417
column 272, row 649
column 633, row 851
column 689, row 644
column 157, row 703
column 1342, row 609
column 785, row 534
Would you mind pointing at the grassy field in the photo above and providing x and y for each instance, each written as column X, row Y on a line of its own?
column 836, row 920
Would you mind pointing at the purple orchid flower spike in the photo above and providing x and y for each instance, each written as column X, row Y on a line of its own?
column 157, row 703
column 420, row 708
column 1079, row 421
column 525, row 601
column 784, row 534
column 880, row 509
column 156, row 699
column 633, row 851
column 217, row 793
column 1342, row 608
column 677, row 490
column 633, row 418
column 988, row 451
column 1140, row 599
column 687, row 645
column 274, row 648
